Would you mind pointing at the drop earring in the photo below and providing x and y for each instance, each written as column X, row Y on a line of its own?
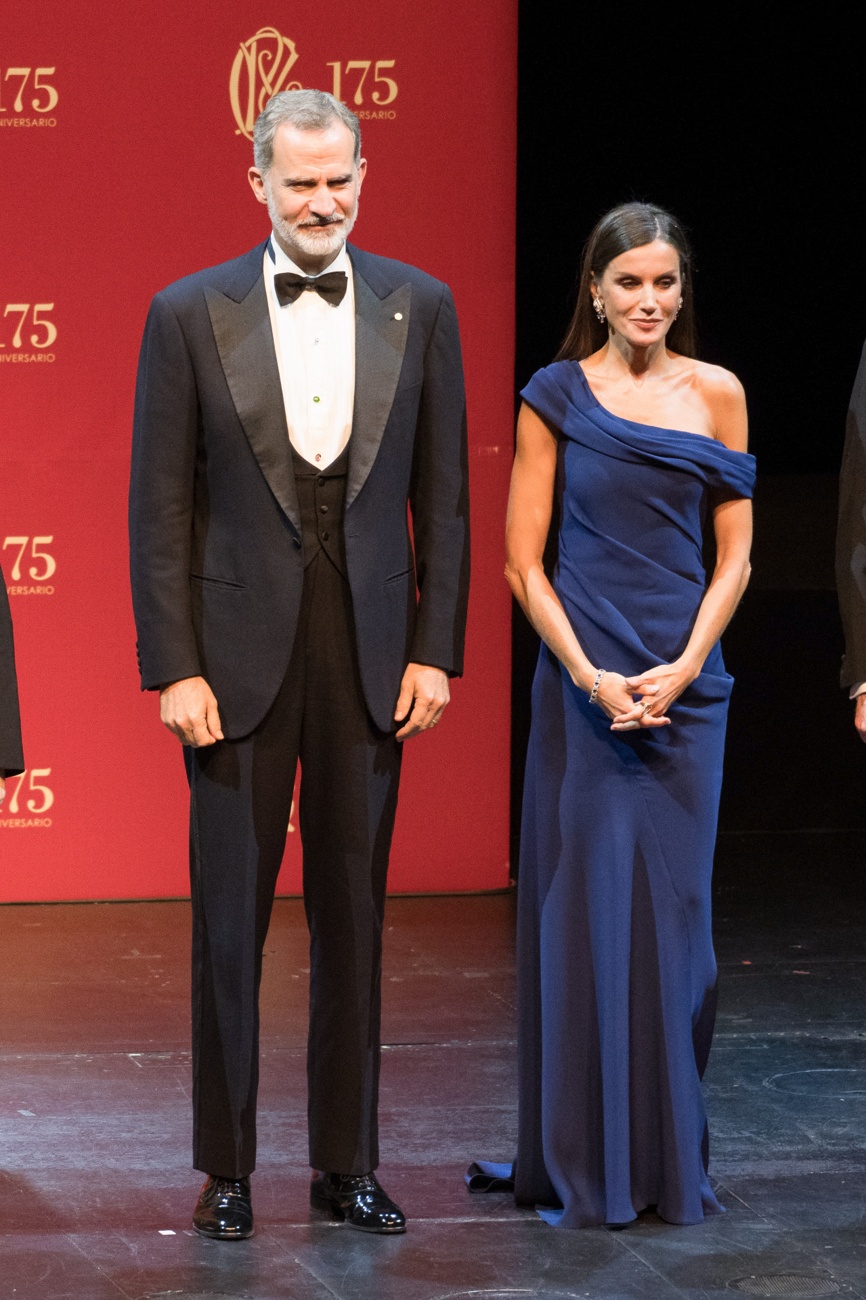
column 599, row 310
column 679, row 308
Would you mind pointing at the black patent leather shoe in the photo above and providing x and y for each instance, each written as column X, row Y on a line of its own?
column 224, row 1209
column 358, row 1200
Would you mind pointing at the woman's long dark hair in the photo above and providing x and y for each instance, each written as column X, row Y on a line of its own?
column 629, row 226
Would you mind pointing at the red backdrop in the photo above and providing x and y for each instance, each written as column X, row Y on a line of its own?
column 123, row 154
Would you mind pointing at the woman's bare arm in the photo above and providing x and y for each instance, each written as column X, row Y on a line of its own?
column 530, row 506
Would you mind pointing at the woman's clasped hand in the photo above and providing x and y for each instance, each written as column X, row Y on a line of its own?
column 643, row 700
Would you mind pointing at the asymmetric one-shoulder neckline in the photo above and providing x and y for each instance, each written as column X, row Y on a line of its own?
column 560, row 394
column 642, row 424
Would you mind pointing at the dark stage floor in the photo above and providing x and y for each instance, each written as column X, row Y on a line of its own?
column 96, row 1182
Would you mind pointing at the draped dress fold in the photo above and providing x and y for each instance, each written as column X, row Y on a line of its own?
column 616, row 970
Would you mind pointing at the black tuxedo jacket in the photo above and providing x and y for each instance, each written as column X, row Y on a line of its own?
column 215, row 533
column 11, row 756
column 851, row 535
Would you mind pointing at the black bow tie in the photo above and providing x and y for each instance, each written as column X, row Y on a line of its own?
column 331, row 286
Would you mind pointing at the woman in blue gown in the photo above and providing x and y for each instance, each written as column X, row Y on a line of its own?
column 639, row 445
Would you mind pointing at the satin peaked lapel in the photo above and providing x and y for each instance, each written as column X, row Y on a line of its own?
column 381, row 328
column 246, row 348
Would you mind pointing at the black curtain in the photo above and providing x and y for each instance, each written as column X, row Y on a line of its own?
column 752, row 131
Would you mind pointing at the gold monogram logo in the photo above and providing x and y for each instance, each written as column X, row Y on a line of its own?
column 260, row 69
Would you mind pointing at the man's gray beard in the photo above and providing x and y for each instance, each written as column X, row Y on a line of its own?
column 316, row 241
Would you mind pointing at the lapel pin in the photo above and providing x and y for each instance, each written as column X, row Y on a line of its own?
column 398, row 315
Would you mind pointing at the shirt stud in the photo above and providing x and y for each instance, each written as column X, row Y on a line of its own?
column 398, row 315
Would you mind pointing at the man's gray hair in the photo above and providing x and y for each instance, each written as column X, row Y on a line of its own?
column 308, row 110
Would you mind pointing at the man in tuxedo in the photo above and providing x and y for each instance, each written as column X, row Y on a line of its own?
column 851, row 550
column 293, row 406
column 11, row 756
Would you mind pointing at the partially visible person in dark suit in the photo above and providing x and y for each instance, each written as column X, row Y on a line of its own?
column 11, row 755
column 294, row 405
column 851, row 550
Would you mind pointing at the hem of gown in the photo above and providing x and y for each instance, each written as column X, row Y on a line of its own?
column 488, row 1176
column 555, row 1217
column 485, row 1176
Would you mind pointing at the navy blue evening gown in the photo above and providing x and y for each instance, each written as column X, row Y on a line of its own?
column 616, row 969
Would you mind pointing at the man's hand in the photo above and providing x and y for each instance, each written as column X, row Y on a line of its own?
column 860, row 717
column 189, row 710
column 425, row 691
column 2, row 787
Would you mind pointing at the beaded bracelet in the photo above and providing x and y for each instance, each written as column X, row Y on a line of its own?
column 593, row 695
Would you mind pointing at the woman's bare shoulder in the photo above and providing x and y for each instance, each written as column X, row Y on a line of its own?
column 717, row 384
column 725, row 398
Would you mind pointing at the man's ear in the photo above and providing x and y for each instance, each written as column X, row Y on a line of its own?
column 257, row 184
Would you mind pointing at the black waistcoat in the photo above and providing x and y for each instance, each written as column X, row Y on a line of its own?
column 321, row 501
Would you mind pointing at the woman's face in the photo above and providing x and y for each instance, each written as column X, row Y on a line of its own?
column 641, row 292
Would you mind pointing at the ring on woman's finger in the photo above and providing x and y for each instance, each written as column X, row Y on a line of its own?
column 647, row 705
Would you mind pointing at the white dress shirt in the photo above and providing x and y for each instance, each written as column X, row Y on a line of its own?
column 315, row 345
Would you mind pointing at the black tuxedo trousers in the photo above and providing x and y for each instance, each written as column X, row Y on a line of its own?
column 241, row 794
